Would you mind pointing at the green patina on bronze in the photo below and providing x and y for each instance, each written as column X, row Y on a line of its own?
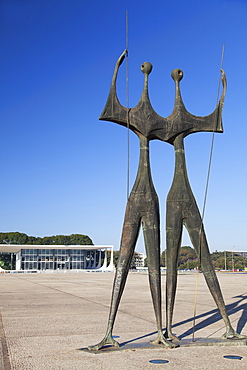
column 143, row 206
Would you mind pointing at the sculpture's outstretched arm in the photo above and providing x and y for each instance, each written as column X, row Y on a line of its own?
column 118, row 64
column 224, row 83
column 113, row 110
column 213, row 122
column 142, row 119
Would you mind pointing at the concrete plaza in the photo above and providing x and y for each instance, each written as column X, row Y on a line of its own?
column 45, row 319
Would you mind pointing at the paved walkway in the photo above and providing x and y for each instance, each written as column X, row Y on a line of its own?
column 46, row 318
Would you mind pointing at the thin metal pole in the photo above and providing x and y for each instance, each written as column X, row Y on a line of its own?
column 232, row 261
column 127, row 99
column 212, row 143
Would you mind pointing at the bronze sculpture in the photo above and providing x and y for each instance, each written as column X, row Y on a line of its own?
column 181, row 207
column 143, row 208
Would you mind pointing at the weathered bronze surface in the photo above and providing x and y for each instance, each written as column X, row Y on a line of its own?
column 181, row 207
column 143, row 208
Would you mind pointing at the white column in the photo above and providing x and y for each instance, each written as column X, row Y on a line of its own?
column 90, row 262
column 94, row 260
column 99, row 263
column 111, row 265
column 105, row 261
column 18, row 261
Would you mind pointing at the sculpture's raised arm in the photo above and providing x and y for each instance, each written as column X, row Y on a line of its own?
column 142, row 119
column 223, row 79
column 113, row 110
column 212, row 122
column 184, row 122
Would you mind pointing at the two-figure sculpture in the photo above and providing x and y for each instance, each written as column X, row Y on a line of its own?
column 143, row 206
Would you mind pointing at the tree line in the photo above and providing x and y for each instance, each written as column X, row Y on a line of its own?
column 188, row 259
column 228, row 260
column 21, row 238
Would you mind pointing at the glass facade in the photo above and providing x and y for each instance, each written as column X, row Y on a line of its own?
column 59, row 259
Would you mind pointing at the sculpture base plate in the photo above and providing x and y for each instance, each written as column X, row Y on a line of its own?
column 182, row 343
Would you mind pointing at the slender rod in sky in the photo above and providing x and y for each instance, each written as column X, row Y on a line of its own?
column 127, row 99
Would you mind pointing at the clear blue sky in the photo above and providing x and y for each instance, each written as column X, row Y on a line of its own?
column 63, row 170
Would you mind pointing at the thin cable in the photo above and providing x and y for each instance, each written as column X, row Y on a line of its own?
column 206, row 191
column 212, row 142
column 127, row 99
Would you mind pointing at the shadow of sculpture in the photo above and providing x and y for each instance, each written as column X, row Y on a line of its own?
column 211, row 317
column 214, row 316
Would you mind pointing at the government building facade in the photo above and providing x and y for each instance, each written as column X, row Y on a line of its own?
column 60, row 257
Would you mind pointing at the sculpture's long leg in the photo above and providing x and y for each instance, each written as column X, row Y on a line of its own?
column 128, row 242
column 173, row 242
column 199, row 241
column 151, row 233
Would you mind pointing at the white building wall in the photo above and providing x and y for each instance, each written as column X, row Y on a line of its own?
column 18, row 261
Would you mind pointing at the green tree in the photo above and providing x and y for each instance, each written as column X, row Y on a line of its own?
column 229, row 260
column 74, row 239
column 6, row 260
column 33, row 240
column 21, row 238
column 115, row 258
column 13, row 238
column 187, row 257
column 188, row 265
column 186, row 254
column 163, row 259
column 79, row 239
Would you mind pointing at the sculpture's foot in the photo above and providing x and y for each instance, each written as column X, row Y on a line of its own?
column 162, row 340
column 232, row 334
column 171, row 336
column 108, row 340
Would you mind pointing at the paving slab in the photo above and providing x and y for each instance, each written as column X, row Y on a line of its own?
column 48, row 318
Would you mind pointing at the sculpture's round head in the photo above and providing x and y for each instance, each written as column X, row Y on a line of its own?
column 146, row 67
column 177, row 74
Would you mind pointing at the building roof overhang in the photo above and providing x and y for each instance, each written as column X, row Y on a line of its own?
column 15, row 248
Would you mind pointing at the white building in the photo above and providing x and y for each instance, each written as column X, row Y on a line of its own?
column 241, row 253
column 139, row 259
column 60, row 257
